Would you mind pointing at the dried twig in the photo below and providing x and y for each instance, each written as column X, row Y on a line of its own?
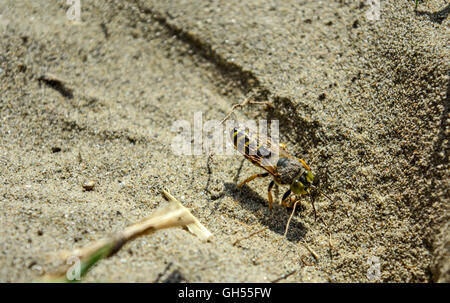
column 311, row 251
column 80, row 157
column 195, row 227
column 302, row 258
column 290, row 218
column 243, row 103
column 161, row 274
column 330, row 244
column 58, row 84
column 172, row 215
column 249, row 236
column 284, row 276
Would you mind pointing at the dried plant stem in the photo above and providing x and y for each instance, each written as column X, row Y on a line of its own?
column 195, row 227
column 58, row 84
column 243, row 103
column 249, row 236
column 167, row 217
column 284, row 276
column 290, row 218
column 311, row 251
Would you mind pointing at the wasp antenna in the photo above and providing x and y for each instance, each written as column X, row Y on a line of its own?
column 326, row 196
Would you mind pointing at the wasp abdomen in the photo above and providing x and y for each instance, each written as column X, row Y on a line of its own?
column 241, row 141
column 248, row 145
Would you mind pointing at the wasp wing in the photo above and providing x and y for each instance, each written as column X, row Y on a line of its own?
column 257, row 148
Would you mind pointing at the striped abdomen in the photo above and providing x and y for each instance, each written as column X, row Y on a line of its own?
column 250, row 145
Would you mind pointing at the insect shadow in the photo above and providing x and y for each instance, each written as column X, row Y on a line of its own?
column 436, row 17
column 275, row 220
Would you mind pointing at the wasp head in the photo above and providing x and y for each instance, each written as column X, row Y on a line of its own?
column 302, row 183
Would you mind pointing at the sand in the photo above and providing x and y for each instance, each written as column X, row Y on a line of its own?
column 364, row 102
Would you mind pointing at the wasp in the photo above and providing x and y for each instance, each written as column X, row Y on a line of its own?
column 284, row 168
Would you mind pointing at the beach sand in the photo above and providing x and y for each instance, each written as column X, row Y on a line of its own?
column 364, row 102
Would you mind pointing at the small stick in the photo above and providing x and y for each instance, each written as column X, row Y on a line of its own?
column 58, row 84
column 172, row 215
column 284, row 276
column 314, row 208
column 243, row 103
column 166, row 217
column 323, row 221
column 331, row 246
column 196, row 227
column 161, row 274
column 208, row 162
column 80, row 158
column 304, row 262
column 242, row 223
column 290, row 217
column 313, row 253
column 249, row 236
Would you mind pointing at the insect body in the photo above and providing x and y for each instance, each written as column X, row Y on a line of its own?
column 283, row 167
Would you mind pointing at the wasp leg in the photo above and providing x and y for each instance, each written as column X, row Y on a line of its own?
column 269, row 192
column 276, row 191
column 285, row 196
column 252, row 177
column 304, row 163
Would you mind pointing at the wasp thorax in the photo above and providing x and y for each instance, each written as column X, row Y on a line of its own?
column 288, row 169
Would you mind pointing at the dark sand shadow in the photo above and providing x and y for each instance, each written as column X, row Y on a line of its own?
column 276, row 219
column 436, row 17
